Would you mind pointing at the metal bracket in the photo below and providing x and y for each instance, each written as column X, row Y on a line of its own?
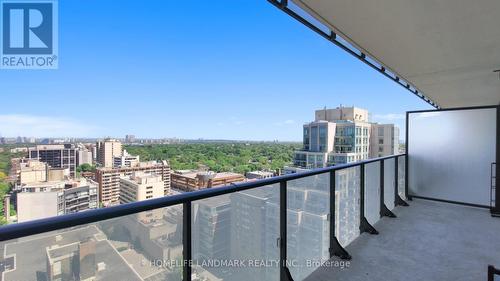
column 400, row 202
column 339, row 251
column 287, row 276
column 385, row 212
column 365, row 226
column 495, row 213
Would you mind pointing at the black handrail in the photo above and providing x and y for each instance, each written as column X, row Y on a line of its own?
column 23, row 229
column 492, row 271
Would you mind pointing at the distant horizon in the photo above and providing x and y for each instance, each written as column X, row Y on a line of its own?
column 191, row 75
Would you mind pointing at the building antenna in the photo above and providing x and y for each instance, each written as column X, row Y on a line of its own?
column 325, row 113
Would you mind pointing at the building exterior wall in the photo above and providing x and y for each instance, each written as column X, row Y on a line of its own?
column 84, row 156
column 384, row 140
column 107, row 150
column 109, row 179
column 342, row 113
column 194, row 180
column 343, row 135
column 56, row 156
column 47, row 199
column 32, row 171
column 36, row 205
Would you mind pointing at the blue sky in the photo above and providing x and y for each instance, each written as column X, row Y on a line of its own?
column 190, row 69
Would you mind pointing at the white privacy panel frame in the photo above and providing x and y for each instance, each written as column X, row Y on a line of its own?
column 450, row 154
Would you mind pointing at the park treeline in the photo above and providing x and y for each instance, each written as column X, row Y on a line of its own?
column 220, row 157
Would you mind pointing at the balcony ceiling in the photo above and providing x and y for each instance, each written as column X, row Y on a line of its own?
column 448, row 49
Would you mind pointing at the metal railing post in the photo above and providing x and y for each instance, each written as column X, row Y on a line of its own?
column 186, row 241
column 335, row 248
column 398, row 201
column 384, row 211
column 364, row 225
column 284, row 272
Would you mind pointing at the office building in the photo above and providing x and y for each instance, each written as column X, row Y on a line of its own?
column 109, row 179
column 107, row 150
column 56, row 156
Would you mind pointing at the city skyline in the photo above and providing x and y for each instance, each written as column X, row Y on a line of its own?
column 265, row 86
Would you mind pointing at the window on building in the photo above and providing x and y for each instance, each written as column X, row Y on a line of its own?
column 381, row 131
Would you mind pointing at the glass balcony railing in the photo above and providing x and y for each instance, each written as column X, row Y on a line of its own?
column 280, row 228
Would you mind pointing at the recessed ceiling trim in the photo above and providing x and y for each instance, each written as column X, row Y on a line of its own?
column 355, row 51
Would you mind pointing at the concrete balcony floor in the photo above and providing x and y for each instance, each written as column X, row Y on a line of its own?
column 427, row 241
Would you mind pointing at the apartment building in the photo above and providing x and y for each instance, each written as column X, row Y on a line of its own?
column 56, row 156
column 109, row 179
column 338, row 136
column 384, row 140
column 107, row 150
column 52, row 198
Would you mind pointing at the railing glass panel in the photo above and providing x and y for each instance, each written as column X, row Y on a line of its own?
column 347, row 204
column 308, row 233
column 401, row 176
column 235, row 236
column 389, row 183
column 372, row 192
column 143, row 246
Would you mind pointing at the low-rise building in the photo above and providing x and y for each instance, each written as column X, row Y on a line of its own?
column 196, row 180
column 126, row 160
column 259, row 175
column 33, row 171
column 53, row 198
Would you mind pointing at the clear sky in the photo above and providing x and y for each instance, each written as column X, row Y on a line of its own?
column 190, row 69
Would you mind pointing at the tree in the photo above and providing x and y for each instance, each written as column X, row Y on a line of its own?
column 85, row 168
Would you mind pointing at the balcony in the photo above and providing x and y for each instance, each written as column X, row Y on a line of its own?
column 427, row 214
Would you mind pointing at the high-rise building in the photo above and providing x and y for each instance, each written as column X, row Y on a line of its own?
column 107, row 150
column 129, row 138
column 56, row 156
column 109, row 179
column 212, row 229
column 384, row 140
column 343, row 135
